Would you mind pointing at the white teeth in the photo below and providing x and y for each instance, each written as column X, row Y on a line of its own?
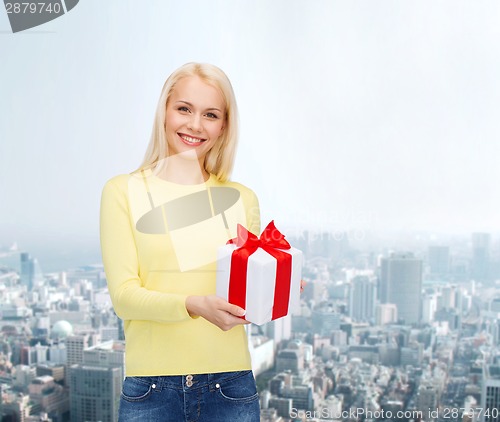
column 191, row 140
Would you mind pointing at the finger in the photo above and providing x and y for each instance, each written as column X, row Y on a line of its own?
column 233, row 319
column 230, row 321
column 239, row 321
column 236, row 310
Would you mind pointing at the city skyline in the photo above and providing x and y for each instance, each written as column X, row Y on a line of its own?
column 337, row 355
column 59, row 255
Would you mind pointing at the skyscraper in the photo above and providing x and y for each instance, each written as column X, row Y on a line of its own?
column 490, row 395
column 94, row 393
column 362, row 296
column 30, row 271
column 427, row 397
column 480, row 256
column 95, row 384
column 74, row 348
column 401, row 284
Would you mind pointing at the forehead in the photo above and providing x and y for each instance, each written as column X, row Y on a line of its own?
column 194, row 90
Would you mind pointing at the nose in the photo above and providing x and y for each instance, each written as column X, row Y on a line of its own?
column 195, row 123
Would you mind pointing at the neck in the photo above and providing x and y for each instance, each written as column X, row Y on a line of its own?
column 184, row 170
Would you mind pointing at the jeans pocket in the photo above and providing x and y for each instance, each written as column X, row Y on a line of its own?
column 136, row 388
column 241, row 389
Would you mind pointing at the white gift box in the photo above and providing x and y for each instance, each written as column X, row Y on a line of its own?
column 260, row 282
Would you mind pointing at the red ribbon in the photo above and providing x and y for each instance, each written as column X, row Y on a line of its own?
column 271, row 240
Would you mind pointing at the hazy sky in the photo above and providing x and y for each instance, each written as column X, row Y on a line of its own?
column 354, row 114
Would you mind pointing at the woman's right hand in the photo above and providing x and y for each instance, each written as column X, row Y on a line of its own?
column 216, row 310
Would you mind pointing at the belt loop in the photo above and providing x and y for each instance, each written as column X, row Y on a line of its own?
column 211, row 381
column 159, row 383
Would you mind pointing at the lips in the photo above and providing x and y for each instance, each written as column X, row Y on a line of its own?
column 191, row 140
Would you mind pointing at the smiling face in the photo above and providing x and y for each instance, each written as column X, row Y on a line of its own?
column 195, row 117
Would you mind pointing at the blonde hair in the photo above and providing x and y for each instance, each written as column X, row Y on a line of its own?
column 220, row 159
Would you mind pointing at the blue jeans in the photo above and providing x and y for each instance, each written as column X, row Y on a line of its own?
column 220, row 397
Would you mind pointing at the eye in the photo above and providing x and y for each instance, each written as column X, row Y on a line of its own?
column 183, row 108
column 212, row 116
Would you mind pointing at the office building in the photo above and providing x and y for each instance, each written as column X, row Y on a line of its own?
column 301, row 395
column 480, row 256
column 23, row 376
column 427, row 398
column 448, row 298
column 49, row 396
column 401, row 284
column 289, row 360
column 386, row 313
column 325, row 320
column 362, row 297
column 75, row 344
column 94, row 393
column 429, row 306
column 282, row 405
column 95, row 384
column 56, row 371
column 490, row 394
column 31, row 273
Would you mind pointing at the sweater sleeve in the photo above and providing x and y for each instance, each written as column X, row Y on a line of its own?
column 130, row 299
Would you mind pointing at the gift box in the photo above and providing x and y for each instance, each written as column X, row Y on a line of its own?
column 260, row 274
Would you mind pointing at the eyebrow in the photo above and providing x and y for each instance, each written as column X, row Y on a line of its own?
column 191, row 105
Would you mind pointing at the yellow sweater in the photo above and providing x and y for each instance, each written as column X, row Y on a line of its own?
column 159, row 241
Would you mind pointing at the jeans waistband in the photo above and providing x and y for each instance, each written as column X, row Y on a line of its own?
column 191, row 381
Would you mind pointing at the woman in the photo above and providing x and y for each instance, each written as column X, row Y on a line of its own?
column 186, row 349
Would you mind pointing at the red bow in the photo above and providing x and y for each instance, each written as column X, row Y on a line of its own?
column 271, row 240
column 271, row 237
